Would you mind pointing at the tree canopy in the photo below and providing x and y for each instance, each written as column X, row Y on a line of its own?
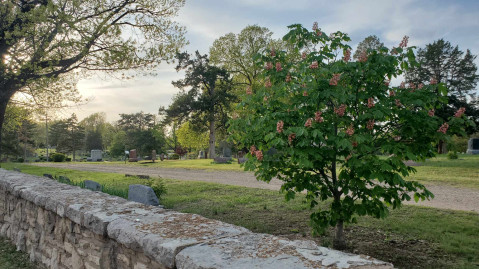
column 42, row 40
column 371, row 42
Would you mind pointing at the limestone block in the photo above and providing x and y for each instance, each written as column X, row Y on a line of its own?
column 268, row 252
column 161, row 236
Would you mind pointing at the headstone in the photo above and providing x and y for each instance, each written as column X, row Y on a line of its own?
column 92, row 185
column 226, row 151
column 222, row 159
column 143, row 176
column 63, row 179
column 17, row 169
column 133, row 156
column 142, row 194
column 48, row 175
column 162, row 157
column 96, row 155
column 242, row 160
column 473, row 146
column 153, row 155
column 201, row 154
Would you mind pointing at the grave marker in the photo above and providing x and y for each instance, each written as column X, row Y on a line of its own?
column 92, row 185
column 133, row 156
column 142, row 194
column 473, row 146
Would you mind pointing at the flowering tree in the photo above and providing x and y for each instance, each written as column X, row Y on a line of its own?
column 320, row 123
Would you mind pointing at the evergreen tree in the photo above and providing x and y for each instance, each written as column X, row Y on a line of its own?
column 446, row 63
column 371, row 42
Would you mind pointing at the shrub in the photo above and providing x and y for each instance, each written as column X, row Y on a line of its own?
column 20, row 160
column 158, row 186
column 58, row 157
column 175, row 156
column 452, row 155
column 68, row 159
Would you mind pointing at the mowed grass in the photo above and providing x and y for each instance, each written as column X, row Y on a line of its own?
column 203, row 164
column 411, row 237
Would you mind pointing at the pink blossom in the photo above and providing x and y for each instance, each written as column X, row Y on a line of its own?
column 334, row 80
column 412, row 85
column 350, row 130
column 267, row 83
column 443, row 128
column 288, row 77
column 404, row 42
column 314, row 65
column 403, row 85
column 305, row 93
column 317, row 116
column 370, row 125
column 265, row 98
column 308, row 123
column 398, row 103
column 460, row 112
column 252, row 149
column 370, row 102
column 431, row 112
column 303, row 55
column 420, row 86
column 347, row 55
column 273, row 53
column 392, row 93
column 248, row 90
column 315, row 26
column 259, row 155
column 355, row 144
column 386, row 83
column 291, row 137
column 278, row 67
column 340, row 111
column 433, row 81
column 363, row 56
column 319, row 33
column 269, row 66
column 279, row 126
column 394, row 51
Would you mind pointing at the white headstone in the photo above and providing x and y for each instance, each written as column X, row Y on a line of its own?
column 96, row 155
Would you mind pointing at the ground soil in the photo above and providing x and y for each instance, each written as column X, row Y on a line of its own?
column 446, row 197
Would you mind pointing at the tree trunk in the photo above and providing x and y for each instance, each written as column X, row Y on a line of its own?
column 339, row 242
column 212, row 139
column 3, row 109
column 442, row 147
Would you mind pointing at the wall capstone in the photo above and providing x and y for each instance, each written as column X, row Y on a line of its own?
column 63, row 226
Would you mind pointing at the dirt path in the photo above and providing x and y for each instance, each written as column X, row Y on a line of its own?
column 446, row 197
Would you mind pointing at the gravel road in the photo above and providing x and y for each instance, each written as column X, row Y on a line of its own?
column 446, row 197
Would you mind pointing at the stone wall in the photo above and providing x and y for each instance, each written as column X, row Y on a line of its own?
column 62, row 226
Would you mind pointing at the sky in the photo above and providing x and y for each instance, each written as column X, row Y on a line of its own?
column 424, row 21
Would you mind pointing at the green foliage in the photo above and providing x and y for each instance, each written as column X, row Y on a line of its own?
column 190, row 138
column 57, row 157
column 319, row 121
column 158, row 186
column 67, row 135
column 371, row 42
column 20, row 160
column 452, row 155
column 457, row 70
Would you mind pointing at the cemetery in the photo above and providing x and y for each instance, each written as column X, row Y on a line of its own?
column 187, row 134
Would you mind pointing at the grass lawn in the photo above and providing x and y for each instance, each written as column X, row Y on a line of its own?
column 411, row 237
column 12, row 259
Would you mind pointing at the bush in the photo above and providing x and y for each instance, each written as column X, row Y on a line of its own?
column 175, row 156
column 68, row 159
column 158, row 186
column 58, row 157
column 452, row 155
column 20, row 160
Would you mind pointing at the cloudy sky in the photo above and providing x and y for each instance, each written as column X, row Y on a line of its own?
column 205, row 20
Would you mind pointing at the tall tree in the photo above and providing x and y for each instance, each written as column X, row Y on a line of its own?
column 447, row 64
column 208, row 98
column 235, row 52
column 68, row 135
column 190, row 138
column 371, row 42
column 43, row 40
